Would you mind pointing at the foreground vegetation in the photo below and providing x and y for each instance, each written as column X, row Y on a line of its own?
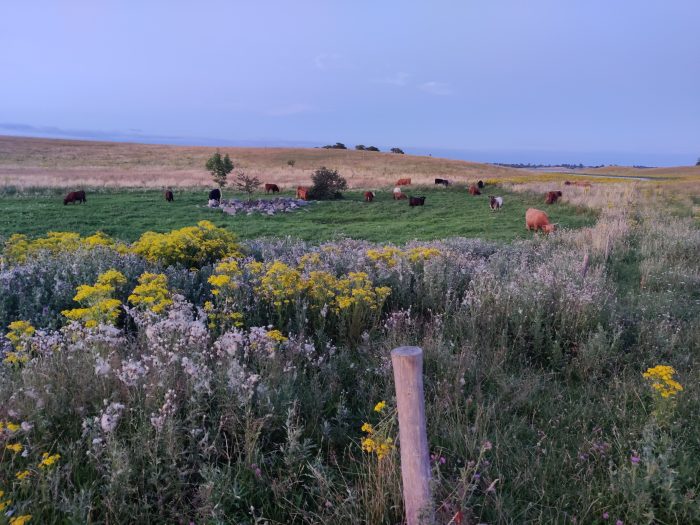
column 127, row 214
column 242, row 382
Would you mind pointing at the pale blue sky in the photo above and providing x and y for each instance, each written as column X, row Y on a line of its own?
column 534, row 80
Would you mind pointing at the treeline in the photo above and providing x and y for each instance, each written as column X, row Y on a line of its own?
column 361, row 147
column 567, row 166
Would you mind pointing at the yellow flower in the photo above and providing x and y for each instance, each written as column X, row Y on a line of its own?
column 22, row 475
column 4, row 504
column 380, row 406
column 14, row 447
column 100, row 306
column 151, row 293
column 20, row 520
column 48, row 460
column 276, row 335
column 12, row 427
column 367, row 427
column 661, row 379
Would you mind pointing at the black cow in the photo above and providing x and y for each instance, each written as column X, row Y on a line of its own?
column 480, row 184
column 169, row 196
column 215, row 195
column 416, row 201
column 444, row 182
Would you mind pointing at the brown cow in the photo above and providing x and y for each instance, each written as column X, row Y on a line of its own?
column 302, row 193
column 403, row 182
column 473, row 190
column 75, row 196
column 538, row 220
column 399, row 196
column 552, row 197
column 169, row 196
column 272, row 188
column 369, row 196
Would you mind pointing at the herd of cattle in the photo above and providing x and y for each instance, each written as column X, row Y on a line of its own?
column 534, row 219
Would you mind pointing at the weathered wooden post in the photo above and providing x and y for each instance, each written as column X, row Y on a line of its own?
column 415, row 456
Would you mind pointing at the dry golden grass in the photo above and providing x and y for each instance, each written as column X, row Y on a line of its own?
column 32, row 162
column 675, row 172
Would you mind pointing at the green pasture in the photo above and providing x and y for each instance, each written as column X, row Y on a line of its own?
column 126, row 214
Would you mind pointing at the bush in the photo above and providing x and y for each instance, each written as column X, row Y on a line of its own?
column 337, row 145
column 360, row 147
column 291, row 162
column 327, row 184
column 398, row 151
column 372, row 148
column 246, row 183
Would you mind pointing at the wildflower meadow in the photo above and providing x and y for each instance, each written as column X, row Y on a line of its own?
column 194, row 377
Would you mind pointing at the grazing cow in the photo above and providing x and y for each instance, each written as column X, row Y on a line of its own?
column 473, row 190
column 397, row 190
column 169, row 196
column 75, row 196
column 480, row 184
column 552, row 197
column 496, row 203
column 403, row 182
column 215, row 195
column 369, row 196
column 416, row 201
column 567, row 183
column 538, row 220
column 444, row 182
column 272, row 188
column 302, row 193
column 398, row 196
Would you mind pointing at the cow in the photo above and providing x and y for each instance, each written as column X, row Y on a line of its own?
column 272, row 188
column 567, row 183
column 403, row 182
column 538, row 220
column 302, row 193
column 496, row 203
column 398, row 196
column 480, row 184
column 552, row 196
column 416, row 201
column 75, row 196
column 369, row 196
column 169, row 196
column 215, row 195
column 444, row 182
column 473, row 190
column 397, row 190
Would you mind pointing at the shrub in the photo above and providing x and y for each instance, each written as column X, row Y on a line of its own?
column 327, row 184
column 398, row 151
column 99, row 305
column 337, row 145
column 291, row 162
column 192, row 246
column 372, row 148
column 360, row 147
column 246, row 183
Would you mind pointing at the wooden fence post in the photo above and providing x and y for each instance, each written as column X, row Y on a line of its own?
column 415, row 456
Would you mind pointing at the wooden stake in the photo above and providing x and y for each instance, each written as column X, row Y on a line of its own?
column 415, row 456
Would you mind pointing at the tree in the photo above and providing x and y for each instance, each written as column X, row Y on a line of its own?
column 360, row 147
column 372, row 148
column 246, row 184
column 291, row 162
column 698, row 163
column 337, row 145
column 327, row 184
column 219, row 167
column 398, row 151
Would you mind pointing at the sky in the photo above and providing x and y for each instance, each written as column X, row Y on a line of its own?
column 544, row 81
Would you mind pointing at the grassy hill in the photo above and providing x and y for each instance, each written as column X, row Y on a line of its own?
column 35, row 162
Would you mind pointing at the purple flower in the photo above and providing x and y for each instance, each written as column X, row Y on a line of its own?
column 605, row 515
column 619, row 522
column 635, row 459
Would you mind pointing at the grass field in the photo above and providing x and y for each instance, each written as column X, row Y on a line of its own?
column 447, row 213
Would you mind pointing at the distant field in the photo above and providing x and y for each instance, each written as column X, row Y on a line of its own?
column 447, row 213
column 31, row 162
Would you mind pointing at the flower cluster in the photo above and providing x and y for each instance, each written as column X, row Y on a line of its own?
column 19, row 334
column 661, row 380
column 99, row 305
column 19, row 247
column 377, row 440
column 151, row 293
column 192, row 246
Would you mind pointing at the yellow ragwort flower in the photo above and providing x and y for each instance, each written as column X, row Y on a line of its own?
column 14, row 447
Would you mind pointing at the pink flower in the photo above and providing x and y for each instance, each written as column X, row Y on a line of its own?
column 605, row 515
column 619, row 522
column 635, row 459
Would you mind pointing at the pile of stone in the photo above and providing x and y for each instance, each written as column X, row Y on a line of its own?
column 262, row 206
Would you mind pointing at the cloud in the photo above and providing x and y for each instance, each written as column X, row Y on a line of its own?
column 291, row 109
column 398, row 79
column 436, row 88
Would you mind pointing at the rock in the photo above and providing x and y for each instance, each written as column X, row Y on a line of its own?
column 262, row 206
